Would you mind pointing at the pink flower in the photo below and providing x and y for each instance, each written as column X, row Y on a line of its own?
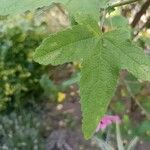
column 107, row 120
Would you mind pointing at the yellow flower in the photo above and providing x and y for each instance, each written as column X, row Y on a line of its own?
column 61, row 97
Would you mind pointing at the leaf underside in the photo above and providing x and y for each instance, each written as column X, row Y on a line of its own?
column 102, row 57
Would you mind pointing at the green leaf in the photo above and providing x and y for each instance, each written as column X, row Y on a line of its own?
column 65, row 46
column 88, row 21
column 143, row 128
column 74, row 6
column 16, row 7
column 74, row 79
column 117, row 21
column 133, row 84
column 48, row 85
column 97, row 85
column 91, row 7
column 102, row 57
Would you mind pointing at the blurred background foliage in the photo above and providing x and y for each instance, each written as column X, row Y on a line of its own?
column 21, row 131
column 39, row 105
column 19, row 77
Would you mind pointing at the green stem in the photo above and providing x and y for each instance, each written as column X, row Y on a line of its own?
column 119, row 139
column 137, row 101
column 123, row 3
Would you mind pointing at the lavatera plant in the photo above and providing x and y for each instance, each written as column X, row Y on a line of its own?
column 102, row 55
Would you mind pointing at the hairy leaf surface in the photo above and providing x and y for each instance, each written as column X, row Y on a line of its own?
column 103, row 56
column 66, row 46
column 97, row 86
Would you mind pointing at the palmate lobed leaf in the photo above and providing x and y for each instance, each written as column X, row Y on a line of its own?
column 102, row 57
column 66, row 46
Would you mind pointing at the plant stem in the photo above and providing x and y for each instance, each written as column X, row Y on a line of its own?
column 123, row 3
column 119, row 139
column 137, row 101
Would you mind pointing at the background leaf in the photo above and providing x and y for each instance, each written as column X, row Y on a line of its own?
column 74, row 6
column 117, row 22
column 89, row 7
column 16, row 7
